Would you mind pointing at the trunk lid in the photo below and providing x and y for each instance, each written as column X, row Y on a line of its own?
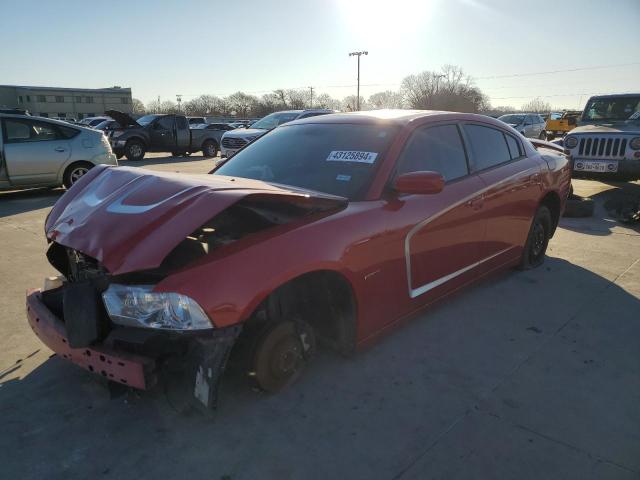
column 129, row 219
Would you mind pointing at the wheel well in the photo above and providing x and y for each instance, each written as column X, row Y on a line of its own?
column 75, row 164
column 210, row 140
column 138, row 139
column 324, row 299
column 552, row 201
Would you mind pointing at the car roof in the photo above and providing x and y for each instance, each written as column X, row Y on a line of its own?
column 615, row 95
column 395, row 117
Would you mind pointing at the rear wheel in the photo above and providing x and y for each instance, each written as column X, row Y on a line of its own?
column 209, row 149
column 550, row 136
column 134, row 150
column 281, row 354
column 538, row 239
column 74, row 172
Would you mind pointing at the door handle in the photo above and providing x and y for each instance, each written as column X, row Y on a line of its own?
column 60, row 149
column 476, row 202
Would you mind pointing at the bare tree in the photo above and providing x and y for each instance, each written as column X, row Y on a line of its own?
column 451, row 90
column 537, row 105
column 137, row 107
column 324, row 100
column 349, row 103
column 157, row 106
column 241, row 103
column 386, row 99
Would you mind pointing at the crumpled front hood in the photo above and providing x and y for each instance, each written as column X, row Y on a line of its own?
column 129, row 219
column 621, row 127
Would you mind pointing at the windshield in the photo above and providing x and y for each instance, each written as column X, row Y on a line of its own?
column 512, row 119
column 616, row 108
column 147, row 119
column 337, row 159
column 275, row 119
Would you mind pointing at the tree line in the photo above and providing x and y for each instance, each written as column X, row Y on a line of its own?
column 448, row 89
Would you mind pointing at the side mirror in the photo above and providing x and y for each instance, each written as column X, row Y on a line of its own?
column 571, row 120
column 420, row 183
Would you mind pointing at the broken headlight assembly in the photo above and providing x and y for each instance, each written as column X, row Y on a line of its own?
column 139, row 306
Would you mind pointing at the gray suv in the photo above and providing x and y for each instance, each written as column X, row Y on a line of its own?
column 39, row 152
column 531, row 125
column 234, row 140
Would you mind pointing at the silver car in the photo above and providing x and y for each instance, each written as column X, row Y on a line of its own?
column 531, row 125
column 39, row 152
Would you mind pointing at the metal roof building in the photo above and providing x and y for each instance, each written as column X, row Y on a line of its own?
column 56, row 102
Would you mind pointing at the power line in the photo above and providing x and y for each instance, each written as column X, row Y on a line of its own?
column 514, row 75
column 549, row 72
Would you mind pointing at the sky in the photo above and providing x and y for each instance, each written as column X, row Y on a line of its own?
column 194, row 47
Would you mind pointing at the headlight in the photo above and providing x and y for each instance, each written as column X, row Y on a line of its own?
column 138, row 306
column 570, row 142
column 116, row 133
column 635, row 143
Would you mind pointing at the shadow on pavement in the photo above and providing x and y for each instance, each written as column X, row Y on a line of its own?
column 613, row 208
column 21, row 201
column 375, row 414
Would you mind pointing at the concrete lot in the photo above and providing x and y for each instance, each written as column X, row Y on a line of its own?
column 526, row 375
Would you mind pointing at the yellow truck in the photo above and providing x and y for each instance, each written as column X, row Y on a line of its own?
column 560, row 123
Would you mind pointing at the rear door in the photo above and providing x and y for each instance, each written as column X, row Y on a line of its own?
column 512, row 187
column 183, row 134
column 34, row 150
column 444, row 243
column 162, row 133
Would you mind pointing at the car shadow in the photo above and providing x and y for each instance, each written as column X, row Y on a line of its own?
column 614, row 209
column 21, row 201
column 396, row 397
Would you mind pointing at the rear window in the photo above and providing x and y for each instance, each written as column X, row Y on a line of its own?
column 488, row 146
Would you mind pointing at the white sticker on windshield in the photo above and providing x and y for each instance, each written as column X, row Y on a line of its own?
column 352, row 156
column 343, row 178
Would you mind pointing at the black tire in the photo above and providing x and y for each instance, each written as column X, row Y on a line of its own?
column 281, row 354
column 550, row 136
column 209, row 149
column 542, row 136
column 119, row 154
column 134, row 150
column 579, row 207
column 176, row 154
column 74, row 172
column 537, row 240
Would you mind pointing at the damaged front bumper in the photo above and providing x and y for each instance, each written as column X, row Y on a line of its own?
column 199, row 359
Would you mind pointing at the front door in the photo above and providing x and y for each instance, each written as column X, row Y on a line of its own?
column 34, row 150
column 442, row 245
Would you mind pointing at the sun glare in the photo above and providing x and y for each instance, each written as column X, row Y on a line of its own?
column 371, row 21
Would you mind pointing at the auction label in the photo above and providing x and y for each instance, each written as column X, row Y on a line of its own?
column 352, row 156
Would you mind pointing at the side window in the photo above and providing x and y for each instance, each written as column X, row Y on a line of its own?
column 514, row 146
column 528, row 120
column 20, row 131
column 438, row 149
column 181, row 122
column 488, row 146
column 164, row 123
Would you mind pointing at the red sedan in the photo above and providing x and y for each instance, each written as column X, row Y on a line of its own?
column 332, row 228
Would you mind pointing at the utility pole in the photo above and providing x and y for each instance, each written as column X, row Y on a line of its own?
column 311, row 101
column 358, row 54
column 179, row 99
